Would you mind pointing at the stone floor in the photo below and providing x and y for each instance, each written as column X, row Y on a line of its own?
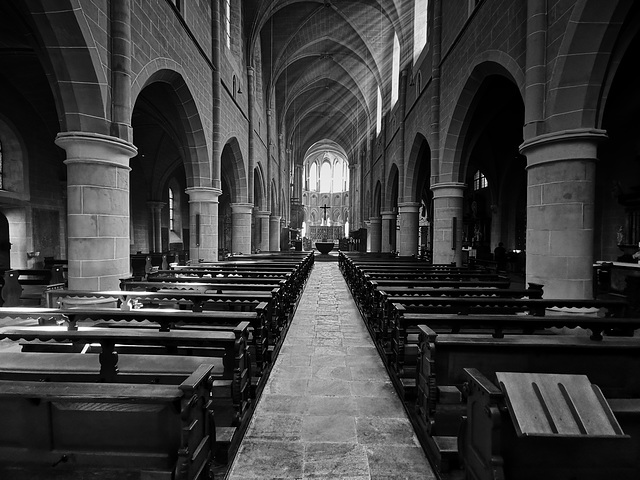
column 329, row 409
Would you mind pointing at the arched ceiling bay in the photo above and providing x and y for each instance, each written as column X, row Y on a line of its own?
column 322, row 62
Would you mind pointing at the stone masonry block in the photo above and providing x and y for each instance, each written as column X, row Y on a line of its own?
column 91, row 248
column 538, row 242
column 567, row 192
column 565, row 171
column 555, row 217
column 106, row 267
column 113, row 225
column 105, row 201
column 572, row 243
column 82, row 226
column 92, row 173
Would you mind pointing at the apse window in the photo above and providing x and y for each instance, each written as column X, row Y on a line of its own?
column 479, row 181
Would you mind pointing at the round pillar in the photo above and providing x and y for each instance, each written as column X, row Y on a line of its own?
column 241, row 228
column 560, row 211
column 274, row 233
column 375, row 234
column 447, row 222
column 203, row 223
column 409, row 225
column 97, row 209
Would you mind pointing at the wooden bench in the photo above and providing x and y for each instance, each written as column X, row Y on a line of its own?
column 442, row 359
column 107, row 430
column 233, row 345
column 537, row 425
column 27, row 286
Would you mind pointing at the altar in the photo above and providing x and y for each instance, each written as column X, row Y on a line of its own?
column 319, row 233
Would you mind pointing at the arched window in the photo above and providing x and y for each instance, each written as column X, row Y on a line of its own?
column 325, row 177
column 313, row 177
column 419, row 27
column 172, row 211
column 337, row 179
column 227, row 23
column 395, row 70
column 479, row 181
column 379, row 113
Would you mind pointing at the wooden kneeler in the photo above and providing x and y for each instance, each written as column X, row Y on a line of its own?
column 534, row 425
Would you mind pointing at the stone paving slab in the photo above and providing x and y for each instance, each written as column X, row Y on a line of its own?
column 329, row 409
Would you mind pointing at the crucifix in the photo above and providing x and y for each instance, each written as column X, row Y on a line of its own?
column 325, row 208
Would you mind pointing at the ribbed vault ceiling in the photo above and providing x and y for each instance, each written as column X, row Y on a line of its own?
column 322, row 61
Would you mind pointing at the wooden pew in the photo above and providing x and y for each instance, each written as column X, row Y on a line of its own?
column 442, row 359
column 233, row 344
column 107, row 430
column 27, row 286
column 538, row 425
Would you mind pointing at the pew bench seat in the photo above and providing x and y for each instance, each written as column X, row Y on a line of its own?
column 106, row 430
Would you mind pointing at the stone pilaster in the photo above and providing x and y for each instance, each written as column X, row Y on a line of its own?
column 447, row 222
column 560, row 211
column 388, row 235
column 241, row 228
column 262, row 225
column 274, row 233
column 97, row 209
column 375, row 234
column 155, row 209
column 203, row 223
column 409, row 225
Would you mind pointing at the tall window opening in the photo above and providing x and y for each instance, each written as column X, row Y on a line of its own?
column 172, row 211
column 419, row 28
column 325, row 177
column 379, row 113
column 395, row 70
column 479, row 181
column 227, row 23
column 313, row 177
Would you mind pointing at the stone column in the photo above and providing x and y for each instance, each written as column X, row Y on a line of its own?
column 375, row 233
column 560, row 211
column 388, row 235
column 447, row 222
column 97, row 209
column 156, row 225
column 274, row 233
column 241, row 228
column 409, row 225
column 203, row 223
column 262, row 225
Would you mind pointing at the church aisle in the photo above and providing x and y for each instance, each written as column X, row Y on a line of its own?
column 329, row 409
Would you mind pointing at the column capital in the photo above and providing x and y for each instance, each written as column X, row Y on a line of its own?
column 374, row 220
column 576, row 144
column 275, row 218
column 87, row 147
column 408, row 207
column 448, row 189
column 203, row 194
column 263, row 213
column 388, row 215
column 241, row 208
